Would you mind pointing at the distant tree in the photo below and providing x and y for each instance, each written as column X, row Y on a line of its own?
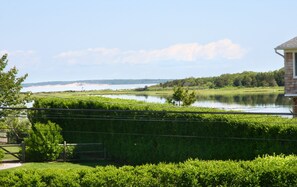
column 245, row 79
column 178, row 94
column 10, row 95
column 279, row 77
column 237, row 81
column 189, row 98
column 182, row 97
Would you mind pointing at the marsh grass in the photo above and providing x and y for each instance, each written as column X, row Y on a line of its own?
column 155, row 91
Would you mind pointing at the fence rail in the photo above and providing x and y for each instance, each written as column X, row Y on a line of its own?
column 83, row 151
column 97, row 151
column 67, row 154
column 20, row 155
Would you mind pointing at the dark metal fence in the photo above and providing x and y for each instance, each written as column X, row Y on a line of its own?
column 83, row 152
column 97, row 151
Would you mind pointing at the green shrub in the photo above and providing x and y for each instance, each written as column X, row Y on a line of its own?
column 40, row 178
column 42, row 144
column 71, row 152
column 137, row 132
column 263, row 171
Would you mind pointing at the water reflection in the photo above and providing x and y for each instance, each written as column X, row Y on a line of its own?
column 249, row 103
column 253, row 100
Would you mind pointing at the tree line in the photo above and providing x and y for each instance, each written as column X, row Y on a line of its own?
column 244, row 79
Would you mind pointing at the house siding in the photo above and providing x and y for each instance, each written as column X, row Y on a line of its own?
column 290, row 81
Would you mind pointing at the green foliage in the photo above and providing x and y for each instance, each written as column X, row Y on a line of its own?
column 41, row 178
column 137, row 132
column 244, row 79
column 71, row 152
column 1, row 155
column 18, row 128
column 42, row 144
column 11, row 96
column 182, row 97
column 11, row 85
column 178, row 94
column 266, row 171
column 189, row 98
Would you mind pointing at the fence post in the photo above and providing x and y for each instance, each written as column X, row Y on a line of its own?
column 104, row 151
column 23, row 151
column 64, row 153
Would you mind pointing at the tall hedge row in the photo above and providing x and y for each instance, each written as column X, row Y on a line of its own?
column 267, row 171
column 137, row 132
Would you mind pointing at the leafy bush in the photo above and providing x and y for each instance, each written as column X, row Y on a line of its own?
column 1, row 155
column 42, row 144
column 71, row 152
column 266, row 171
column 137, row 132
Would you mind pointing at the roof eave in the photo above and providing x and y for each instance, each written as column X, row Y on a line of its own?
column 278, row 48
column 283, row 48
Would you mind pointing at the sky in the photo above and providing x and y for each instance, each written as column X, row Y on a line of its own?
column 66, row 40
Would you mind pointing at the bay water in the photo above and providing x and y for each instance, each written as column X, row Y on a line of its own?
column 276, row 103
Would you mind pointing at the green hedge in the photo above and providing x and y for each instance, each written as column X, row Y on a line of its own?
column 267, row 171
column 137, row 132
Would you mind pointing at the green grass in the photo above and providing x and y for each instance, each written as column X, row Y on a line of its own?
column 169, row 91
column 59, row 165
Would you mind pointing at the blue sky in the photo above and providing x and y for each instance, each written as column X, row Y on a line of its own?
column 131, row 39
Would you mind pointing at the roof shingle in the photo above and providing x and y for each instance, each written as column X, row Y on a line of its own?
column 291, row 44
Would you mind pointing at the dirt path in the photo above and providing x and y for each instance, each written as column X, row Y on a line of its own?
column 9, row 165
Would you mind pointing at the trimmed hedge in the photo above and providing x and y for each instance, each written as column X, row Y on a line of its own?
column 267, row 171
column 137, row 132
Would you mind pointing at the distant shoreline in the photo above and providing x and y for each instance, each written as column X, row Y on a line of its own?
column 104, row 82
column 60, row 87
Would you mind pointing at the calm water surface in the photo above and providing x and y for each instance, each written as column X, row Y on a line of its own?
column 247, row 103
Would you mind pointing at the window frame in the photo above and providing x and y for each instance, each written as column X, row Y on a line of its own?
column 294, row 64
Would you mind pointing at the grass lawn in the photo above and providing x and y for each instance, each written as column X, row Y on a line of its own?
column 59, row 165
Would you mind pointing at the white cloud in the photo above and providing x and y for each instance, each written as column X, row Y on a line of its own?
column 20, row 58
column 18, row 53
column 180, row 52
